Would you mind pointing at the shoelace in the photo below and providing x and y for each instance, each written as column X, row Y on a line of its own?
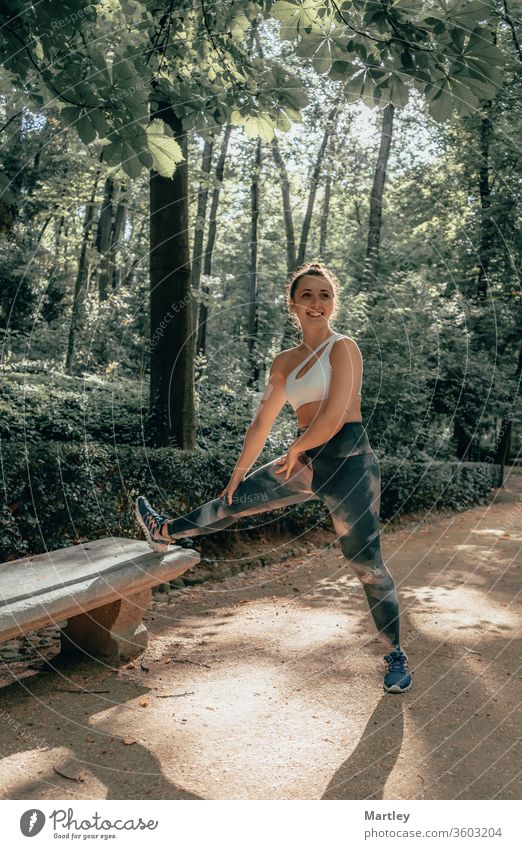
column 151, row 522
column 396, row 663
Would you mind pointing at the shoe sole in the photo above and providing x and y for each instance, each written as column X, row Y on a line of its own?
column 158, row 547
column 396, row 689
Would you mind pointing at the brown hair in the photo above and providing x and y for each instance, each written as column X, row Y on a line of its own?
column 310, row 269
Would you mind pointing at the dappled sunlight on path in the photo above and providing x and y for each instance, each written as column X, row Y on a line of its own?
column 269, row 685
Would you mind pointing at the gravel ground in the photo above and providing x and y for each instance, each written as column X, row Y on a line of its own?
column 267, row 684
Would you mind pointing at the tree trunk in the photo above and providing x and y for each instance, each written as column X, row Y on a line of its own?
column 462, row 438
column 486, row 246
column 324, row 217
column 314, row 182
column 506, row 428
column 13, row 132
column 118, row 228
column 103, row 237
column 253, row 273
column 135, row 240
column 211, row 239
column 81, row 277
column 172, row 418
column 291, row 254
column 199, row 228
column 376, row 200
column 289, row 330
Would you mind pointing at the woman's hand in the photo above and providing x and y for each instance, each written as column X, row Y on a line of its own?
column 231, row 486
column 288, row 461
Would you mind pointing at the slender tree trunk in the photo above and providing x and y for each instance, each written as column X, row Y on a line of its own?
column 118, row 228
column 172, row 416
column 253, row 273
column 325, row 213
column 462, row 439
column 514, row 35
column 13, row 121
column 314, row 182
column 376, row 200
column 81, row 277
column 486, row 246
column 136, row 240
column 291, row 253
column 211, row 240
column 289, row 330
column 199, row 228
column 103, row 237
column 506, row 428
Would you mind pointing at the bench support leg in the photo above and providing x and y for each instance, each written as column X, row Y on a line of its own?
column 113, row 631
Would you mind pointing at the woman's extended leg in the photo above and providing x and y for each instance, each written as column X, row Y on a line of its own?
column 260, row 491
column 351, row 488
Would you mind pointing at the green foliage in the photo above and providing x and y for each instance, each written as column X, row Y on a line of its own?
column 57, row 495
column 17, row 289
column 103, row 65
column 410, row 487
column 37, row 406
column 381, row 50
column 165, row 150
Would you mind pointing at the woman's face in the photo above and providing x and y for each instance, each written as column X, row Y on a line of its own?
column 313, row 301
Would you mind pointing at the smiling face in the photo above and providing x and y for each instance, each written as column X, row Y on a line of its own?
column 313, row 301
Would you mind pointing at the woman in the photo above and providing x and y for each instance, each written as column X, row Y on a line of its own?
column 331, row 459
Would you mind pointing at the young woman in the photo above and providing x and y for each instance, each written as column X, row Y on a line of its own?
column 331, row 459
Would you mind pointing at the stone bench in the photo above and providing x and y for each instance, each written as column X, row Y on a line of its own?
column 102, row 588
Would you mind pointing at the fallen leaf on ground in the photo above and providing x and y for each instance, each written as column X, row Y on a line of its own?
column 79, row 777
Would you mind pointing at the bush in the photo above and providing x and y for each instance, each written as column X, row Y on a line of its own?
column 38, row 406
column 58, row 494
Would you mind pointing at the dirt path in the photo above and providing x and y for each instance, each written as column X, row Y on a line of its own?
column 268, row 685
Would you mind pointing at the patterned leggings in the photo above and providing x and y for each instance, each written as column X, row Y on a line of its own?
column 344, row 474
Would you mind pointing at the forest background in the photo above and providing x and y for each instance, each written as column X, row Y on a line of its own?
column 165, row 169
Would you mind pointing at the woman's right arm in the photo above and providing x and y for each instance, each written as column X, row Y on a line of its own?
column 270, row 406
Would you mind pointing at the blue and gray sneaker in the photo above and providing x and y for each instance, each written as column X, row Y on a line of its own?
column 397, row 678
column 151, row 523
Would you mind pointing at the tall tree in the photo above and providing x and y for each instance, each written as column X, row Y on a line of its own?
column 314, row 180
column 291, row 251
column 199, row 226
column 172, row 419
column 371, row 264
column 117, row 232
column 255, row 201
column 211, row 240
column 307, row 219
column 81, row 277
column 103, row 237
column 325, row 213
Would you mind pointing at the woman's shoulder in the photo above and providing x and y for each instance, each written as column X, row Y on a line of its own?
column 349, row 345
column 348, row 340
column 284, row 361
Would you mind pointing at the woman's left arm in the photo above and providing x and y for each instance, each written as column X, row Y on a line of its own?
column 347, row 364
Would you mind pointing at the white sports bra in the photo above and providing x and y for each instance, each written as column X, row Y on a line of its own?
column 315, row 383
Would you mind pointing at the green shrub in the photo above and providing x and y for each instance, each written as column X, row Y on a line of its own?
column 38, row 406
column 57, row 494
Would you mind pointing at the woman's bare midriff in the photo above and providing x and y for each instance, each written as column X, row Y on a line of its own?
column 308, row 413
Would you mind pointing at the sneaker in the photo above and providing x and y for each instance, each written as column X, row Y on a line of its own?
column 397, row 678
column 151, row 523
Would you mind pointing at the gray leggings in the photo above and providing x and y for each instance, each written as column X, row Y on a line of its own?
column 345, row 475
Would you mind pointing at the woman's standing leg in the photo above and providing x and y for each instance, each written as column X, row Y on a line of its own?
column 350, row 488
column 260, row 491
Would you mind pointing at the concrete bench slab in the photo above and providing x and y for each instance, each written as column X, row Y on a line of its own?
column 101, row 587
